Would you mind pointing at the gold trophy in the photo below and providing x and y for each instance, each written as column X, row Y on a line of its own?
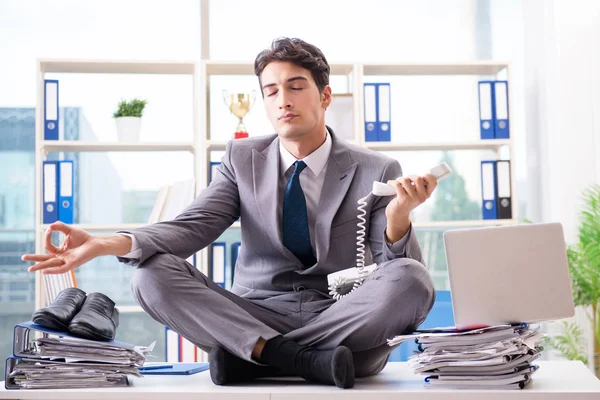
column 239, row 104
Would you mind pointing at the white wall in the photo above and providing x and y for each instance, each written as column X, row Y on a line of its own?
column 561, row 63
column 562, row 113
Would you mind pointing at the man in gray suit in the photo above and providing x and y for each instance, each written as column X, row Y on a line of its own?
column 296, row 193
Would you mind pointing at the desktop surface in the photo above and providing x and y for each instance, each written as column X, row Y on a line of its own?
column 554, row 380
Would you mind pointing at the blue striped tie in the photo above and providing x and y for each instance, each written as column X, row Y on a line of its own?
column 296, row 235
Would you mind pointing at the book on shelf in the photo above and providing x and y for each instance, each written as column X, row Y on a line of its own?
column 171, row 200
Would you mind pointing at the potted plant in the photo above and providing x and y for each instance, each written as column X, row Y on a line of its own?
column 584, row 266
column 128, row 118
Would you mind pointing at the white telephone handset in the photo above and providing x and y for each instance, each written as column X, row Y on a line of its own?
column 343, row 282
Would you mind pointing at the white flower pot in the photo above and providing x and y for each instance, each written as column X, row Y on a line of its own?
column 128, row 128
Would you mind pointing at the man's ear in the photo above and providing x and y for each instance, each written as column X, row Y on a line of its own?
column 326, row 97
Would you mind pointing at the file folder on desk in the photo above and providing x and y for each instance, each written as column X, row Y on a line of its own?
column 54, row 354
column 50, row 109
column 501, row 127
column 55, row 368
column 174, row 369
column 65, row 192
column 50, row 191
column 489, row 207
column 486, row 109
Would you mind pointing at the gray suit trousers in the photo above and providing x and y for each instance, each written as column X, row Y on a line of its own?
column 394, row 299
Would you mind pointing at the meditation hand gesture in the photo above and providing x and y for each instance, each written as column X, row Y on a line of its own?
column 78, row 248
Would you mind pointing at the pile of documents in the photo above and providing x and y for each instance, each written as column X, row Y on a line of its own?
column 47, row 359
column 493, row 357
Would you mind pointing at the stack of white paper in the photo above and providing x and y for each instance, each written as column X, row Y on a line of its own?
column 57, row 360
column 494, row 357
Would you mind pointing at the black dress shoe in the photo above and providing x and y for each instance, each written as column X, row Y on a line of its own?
column 98, row 318
column 226, row 368
column 332, row 367
column 61, row 311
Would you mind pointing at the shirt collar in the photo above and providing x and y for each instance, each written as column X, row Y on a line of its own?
column 315, row 161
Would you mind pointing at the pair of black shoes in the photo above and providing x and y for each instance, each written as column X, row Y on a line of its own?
column 92, row 316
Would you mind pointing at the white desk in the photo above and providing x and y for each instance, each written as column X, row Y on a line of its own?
column 569, row 380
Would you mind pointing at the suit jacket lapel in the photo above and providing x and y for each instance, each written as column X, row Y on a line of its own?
column 265, row 170
column 339, row 175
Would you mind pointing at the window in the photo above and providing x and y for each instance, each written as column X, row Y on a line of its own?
column 2, row 210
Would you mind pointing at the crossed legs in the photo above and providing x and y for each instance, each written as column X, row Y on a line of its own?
column 244, row 334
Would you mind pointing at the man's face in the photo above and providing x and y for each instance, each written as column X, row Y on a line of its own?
column 292, row 100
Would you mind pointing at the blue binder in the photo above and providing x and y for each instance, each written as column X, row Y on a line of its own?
column 489, row 183
column 371, row 128
column 384, row 121
column 65, row 192
column 51, row 113
column 24, row 335
column 217, row 263
column 50, row 184
column 235, row 251
column 486, row 109
column 24, row 331
column 501, row 126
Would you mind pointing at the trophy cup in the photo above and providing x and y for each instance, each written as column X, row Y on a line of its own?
column 239, row 104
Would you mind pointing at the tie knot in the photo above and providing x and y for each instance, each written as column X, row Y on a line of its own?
column 300, row 165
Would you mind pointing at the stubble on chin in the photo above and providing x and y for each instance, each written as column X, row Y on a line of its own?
column 290, row 133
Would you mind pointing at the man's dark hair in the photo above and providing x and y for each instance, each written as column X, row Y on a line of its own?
column 298, row 52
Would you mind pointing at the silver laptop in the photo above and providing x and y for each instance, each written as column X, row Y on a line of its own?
column 509, row 274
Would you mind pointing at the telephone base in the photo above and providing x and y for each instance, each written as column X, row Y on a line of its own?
column 349, row 274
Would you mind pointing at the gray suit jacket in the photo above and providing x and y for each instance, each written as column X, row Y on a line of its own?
column 247, row 185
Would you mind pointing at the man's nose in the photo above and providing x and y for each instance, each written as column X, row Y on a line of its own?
column 284, row 101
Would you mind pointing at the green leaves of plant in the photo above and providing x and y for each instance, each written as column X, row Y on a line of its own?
column 570, row 343
column 584, row 257
column 133, row 108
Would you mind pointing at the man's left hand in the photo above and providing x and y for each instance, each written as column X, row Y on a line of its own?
column 411, row 191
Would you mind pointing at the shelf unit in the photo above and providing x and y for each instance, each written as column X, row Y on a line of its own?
column 202, row 145
column 50, row 146
column 43, row 147
column 356, row 75
column 102, row 228
column 494, row 145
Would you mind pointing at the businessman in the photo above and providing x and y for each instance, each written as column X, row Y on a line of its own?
column 296, row 193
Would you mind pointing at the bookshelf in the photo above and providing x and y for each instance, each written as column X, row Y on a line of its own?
column 51, row 146
column 201, row 146
column 43, row 147
column 356, row 75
